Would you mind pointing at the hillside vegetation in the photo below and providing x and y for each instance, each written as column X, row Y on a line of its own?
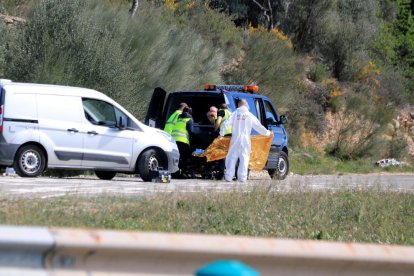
column 341, row 70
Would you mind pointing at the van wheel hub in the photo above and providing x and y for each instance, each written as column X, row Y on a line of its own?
column 153, row 163
column 30, row 161
column 282, row 167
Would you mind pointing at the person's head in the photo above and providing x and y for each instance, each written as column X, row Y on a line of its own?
column 223, row 106
column 212, row 113
column 182, row 106
column 242, row 102
column 188, row 110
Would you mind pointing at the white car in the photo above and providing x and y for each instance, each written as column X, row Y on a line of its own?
column 61, row 127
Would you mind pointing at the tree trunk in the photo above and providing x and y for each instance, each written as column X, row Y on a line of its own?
column 267, row 12
column 134, row 8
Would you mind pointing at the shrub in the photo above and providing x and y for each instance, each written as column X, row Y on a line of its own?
column 397, row 147
column 215, row 27
column 268, row 62
column 90, row 44
column 335, row 29
column 358, row 129
column 317, row 72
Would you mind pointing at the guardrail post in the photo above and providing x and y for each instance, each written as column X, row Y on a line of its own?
column 226, row 268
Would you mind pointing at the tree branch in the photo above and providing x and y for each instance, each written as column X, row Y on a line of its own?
column 269, row 18
column 134, row 8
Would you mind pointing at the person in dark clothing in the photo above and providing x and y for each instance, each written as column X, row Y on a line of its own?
column 182, row 131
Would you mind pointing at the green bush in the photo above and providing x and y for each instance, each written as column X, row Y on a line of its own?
column 360, row 129
column 90, row 44
column 397, row 147
column 215, row 27
column 270, row 63
column 317, row 72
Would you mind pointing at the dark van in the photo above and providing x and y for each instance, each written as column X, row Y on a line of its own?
column 160, row 109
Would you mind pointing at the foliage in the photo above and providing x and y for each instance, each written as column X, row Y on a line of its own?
column 397, row 146
column 317, row 72
column 359, row 128
column 13, row 7
column 394, row 45
column 213, row 26
column 268, row 62
column 89, row 44
column 358, row 215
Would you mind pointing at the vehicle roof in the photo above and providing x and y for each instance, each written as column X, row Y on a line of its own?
column 232, row 93
column 34, row 88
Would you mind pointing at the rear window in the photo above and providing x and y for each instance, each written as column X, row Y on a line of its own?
column 1, row 96
column 250, row 102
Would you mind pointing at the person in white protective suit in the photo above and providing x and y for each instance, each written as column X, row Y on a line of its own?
column 241, row 121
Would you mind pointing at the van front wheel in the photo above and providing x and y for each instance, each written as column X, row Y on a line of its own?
column 150, row 160
column 30, row 161
column 105, row 175
column 282, row 169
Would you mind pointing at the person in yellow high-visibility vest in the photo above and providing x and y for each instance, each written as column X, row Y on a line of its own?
column 222, row 115
column 181, row 132
column 173, row 118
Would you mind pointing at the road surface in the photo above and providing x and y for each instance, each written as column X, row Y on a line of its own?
column 43, row 187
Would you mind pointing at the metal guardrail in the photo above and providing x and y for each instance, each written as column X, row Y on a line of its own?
column 54, row 251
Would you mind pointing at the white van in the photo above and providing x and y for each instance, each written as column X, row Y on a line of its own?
column 50, row 126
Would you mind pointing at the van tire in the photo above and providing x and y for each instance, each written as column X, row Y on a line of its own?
column 105, row 175
column 282, row 169
column 149, row 160
column 30, row 161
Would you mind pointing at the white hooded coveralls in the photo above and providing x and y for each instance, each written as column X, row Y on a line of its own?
column 242, row 122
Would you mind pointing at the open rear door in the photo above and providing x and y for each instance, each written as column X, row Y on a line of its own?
column 155, row 108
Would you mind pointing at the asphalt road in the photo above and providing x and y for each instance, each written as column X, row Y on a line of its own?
column 43, row 187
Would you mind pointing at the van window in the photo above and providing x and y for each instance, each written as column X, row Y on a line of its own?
column 99, row 112
column 270, row 112
column 102, row 113
column 250, row 103
column 259, row 108
column 126, row 121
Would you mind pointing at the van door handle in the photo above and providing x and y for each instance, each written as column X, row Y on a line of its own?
column 93, row 132
column 73, row 130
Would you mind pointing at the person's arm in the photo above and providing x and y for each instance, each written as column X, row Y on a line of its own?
column 218, row 122
column 189, row 126
column 259, row 127
column 220, row 116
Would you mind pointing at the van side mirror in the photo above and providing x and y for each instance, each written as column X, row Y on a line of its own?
column 283, row 119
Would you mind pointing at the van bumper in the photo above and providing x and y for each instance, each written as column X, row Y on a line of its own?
column 7, row 153
column 173, row 159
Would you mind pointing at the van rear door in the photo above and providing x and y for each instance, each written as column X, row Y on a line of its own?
column 155, row 108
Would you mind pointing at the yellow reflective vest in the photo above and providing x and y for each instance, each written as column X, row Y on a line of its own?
column 169, row 125
column 179, row 131
column 227, row 114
